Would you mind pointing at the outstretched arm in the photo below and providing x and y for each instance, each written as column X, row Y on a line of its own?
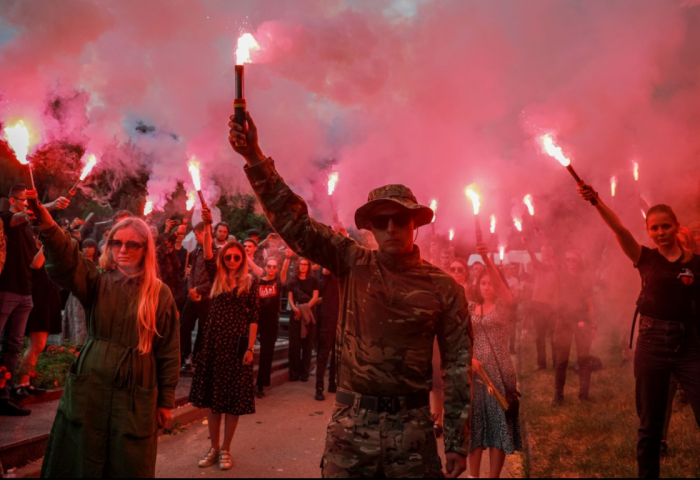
column 287, row 212
column 629, row 244
column 502, row 291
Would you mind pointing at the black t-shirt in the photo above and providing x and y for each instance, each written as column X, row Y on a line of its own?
column 574, row 293
column 670, row 290
column 303, row 290
column 270, row 296
column 16, row 277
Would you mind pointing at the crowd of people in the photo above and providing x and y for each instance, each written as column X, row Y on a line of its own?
column 417, row 349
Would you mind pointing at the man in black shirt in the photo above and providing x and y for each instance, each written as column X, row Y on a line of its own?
column 16, row 288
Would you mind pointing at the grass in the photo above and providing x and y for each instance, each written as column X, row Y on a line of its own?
column 596, row 440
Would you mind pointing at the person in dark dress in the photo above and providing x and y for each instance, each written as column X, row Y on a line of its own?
column 223, row 380
column 303, row 297
column 668, row 342
column 44, row 320
column 271, row 288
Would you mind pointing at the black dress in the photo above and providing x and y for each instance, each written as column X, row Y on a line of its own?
column 221, row 382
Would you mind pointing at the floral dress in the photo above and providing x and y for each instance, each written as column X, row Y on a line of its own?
column 490, row 428
column 221, row 382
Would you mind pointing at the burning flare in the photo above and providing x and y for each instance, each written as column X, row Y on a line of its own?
column 17, row 137
column 191, row 200
column 474, row 197
column 554, row 151
column 530, row 206
column 636, row 171
column 433, row 207
column 493, row 224
column 613, row 186
column 332, row 182
column 644, row 214
column 502, row 253
column 195, row 173
column 89, row 165
column 148, row 208
column 518, row 224
column 452, row 235
column 246, row 43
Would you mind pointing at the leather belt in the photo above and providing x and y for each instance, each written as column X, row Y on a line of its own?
column 391, row 405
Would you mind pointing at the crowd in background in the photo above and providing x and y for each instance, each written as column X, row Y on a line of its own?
column 548, row 300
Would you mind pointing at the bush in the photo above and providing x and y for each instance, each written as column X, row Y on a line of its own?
column 53, row 365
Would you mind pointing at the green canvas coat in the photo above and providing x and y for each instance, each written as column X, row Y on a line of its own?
column 106, row 423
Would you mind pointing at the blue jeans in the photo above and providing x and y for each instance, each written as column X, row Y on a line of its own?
column 14, row 313
column 663, row 349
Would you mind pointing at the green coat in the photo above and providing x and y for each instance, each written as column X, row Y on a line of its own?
column 106, row 422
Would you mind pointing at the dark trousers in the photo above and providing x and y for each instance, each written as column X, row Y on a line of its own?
column 545, row 320
column 191, row 314
column 300, row 350
column 663, row 349
column 326, row 351
column 569, row 330
column 268, row 329
column 14, row 313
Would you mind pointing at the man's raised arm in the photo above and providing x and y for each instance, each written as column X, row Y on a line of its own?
column 286, row 211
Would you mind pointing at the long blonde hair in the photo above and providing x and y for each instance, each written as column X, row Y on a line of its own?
column 150, row 284
column 222, row 283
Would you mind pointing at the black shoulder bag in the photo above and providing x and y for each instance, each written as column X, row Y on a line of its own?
column 512, row 396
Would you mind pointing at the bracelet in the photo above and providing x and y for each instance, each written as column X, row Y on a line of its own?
column 251, row 350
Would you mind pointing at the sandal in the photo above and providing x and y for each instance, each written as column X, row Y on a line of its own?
column 225, row 460
column 209, row 459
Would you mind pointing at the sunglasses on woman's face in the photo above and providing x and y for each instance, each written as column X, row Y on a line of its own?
column 381, row 222
column 457, row 270
column 131, row 246
column 233, row 258
column 272, row 267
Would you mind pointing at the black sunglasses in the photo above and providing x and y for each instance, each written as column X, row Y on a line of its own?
column 457, row 270
column 235, row 258
column 271, row 267
column 381, row 222
column 131, row 246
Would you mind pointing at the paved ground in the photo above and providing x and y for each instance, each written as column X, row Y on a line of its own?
column 285, row 439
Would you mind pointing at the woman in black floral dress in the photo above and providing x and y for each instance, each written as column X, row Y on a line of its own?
column 223, row 381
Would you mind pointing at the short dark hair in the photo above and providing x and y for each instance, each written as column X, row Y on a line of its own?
column 253, row 233
column 122, row 214
column 17, row 190
column 222, row 224
column 250, row 240
column 199, row 227
column 90, row 243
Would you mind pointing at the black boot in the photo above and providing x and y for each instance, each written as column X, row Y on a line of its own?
column 320, row 397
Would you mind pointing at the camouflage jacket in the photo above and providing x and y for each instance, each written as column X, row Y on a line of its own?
column 3, row 246
column 392, row 308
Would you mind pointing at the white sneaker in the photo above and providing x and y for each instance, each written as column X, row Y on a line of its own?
column 209, row 459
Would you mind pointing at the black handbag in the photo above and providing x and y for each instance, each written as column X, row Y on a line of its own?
column 512, row 396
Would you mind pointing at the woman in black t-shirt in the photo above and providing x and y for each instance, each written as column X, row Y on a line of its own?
column 271, row 286
column 668, row 341
column 303, row 297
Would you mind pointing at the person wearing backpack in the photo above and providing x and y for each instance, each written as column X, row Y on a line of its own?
column 668, row 342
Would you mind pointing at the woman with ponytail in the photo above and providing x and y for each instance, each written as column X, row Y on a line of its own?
column 121, row 388
column 668, row 341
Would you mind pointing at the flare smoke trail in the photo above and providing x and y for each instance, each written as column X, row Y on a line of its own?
column 433, row 94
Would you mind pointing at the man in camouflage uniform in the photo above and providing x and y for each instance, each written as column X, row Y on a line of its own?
column 393, row 305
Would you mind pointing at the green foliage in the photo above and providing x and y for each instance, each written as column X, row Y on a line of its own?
column 53, row 365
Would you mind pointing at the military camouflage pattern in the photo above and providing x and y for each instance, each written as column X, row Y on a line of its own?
column 3, row 247
column 392, row 308
column 364, row 444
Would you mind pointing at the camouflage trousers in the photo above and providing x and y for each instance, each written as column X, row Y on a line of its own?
column 366, row 444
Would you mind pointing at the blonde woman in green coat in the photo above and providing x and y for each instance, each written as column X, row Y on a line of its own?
column 122, row 387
